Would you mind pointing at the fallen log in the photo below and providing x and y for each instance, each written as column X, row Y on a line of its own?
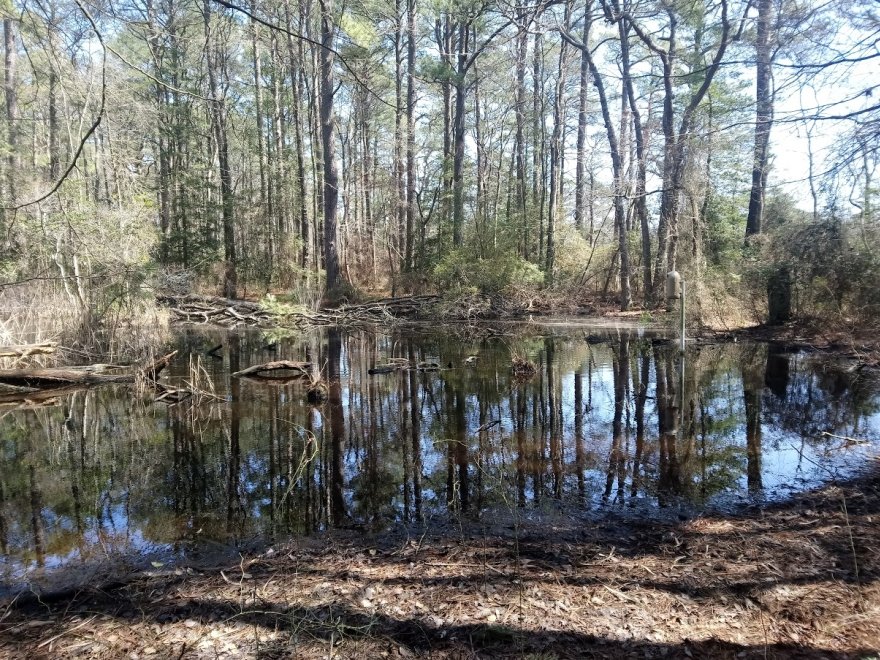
column 384, row 369
column 304, row 368
column 26, row 350
column 54, row 377
column 26, row 389
column 29, row 398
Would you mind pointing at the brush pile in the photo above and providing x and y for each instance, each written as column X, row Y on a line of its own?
column 523, row 369
column 217, row 311
column 237, row 313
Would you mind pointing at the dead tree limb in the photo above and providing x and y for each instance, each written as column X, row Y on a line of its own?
column 84, row 375
column 303, row 368
column 25, row 350
column 28, row 400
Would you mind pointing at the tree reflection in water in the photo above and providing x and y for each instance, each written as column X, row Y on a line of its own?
column 623, row 423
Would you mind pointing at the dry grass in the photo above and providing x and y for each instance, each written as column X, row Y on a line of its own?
column 799, row 580
column 37, row 312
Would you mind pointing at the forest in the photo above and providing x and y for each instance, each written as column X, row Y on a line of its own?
column 344, row 328
column 555, row 155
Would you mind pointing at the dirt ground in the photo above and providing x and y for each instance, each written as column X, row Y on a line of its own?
column 796, row 580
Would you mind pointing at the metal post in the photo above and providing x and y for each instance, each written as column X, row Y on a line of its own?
column 682, row 316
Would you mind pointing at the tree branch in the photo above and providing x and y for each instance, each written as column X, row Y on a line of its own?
column 313, row 42
column 92, row 128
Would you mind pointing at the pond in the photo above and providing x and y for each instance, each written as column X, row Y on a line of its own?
column 613, row 422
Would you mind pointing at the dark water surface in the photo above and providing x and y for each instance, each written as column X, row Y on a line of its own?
column 613, row 424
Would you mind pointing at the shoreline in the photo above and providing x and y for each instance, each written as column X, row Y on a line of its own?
column 794, row 579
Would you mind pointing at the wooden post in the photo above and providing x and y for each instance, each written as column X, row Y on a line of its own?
column 675, row 288
column 682, row 316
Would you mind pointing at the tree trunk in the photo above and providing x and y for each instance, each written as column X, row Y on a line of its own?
column 641, row 205
column 410, row 133
column 763, row 120
column 258, row 107
column 295, row 63
column 556, row 148
column 9, row 88
column 519, row 146
column 54, row 149
column 480, row 206
column 443, row 37
column 328, row 144
column 616, row 166
column 669, row 196
column 279, row 168
column 538, row 140
column 458, row 137
column 779, row 296
column 398, row 210
column 581, row 135
column 218, row 121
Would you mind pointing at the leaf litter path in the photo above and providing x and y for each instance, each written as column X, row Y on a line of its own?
column 796, row 580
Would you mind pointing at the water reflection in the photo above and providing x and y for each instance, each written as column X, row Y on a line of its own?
column 625, row 423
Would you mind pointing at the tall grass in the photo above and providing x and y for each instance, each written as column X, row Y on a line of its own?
column 106, row 324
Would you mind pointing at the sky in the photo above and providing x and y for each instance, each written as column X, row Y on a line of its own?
column 841, row 90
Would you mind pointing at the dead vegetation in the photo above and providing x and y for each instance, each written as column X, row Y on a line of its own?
column 212, row 310
column 238, row 313
column 27, row 388
column 523, row 368
column 795, row 581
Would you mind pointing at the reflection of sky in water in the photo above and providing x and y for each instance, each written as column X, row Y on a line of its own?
column 115, row 539
column 155, row 482
column 786, row 464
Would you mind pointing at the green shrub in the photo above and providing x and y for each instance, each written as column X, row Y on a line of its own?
column 462, row 271
column 832, row 266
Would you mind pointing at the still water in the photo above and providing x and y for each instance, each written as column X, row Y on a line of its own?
column 614, row 422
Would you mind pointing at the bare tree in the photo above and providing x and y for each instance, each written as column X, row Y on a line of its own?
column 13, row 162
column 217, row 73
column 676, row 139
column 763, row 119
column 328, row 145
column 616, row 158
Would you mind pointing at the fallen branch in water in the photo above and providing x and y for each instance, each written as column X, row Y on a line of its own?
column 29, row 388
column 174, row 395
column 91, row 374
column 386, row 369
column 257, row 371
column 849, row 441
column 26, row 350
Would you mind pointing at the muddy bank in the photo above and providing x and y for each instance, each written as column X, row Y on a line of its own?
column 794, row 580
